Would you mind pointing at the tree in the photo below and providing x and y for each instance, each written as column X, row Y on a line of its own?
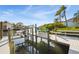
column 76, row 17
column 58, row 13
column 62, row 12
column 19, row 25
column 52, row 26
column 14, row 25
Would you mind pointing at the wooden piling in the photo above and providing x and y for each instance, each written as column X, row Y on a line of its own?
column 1, row 30
column 11, row 43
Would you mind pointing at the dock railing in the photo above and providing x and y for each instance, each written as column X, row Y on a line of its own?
column 39, row 44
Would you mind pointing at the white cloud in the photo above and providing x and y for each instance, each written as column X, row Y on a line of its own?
column 39, row 16
column 6, row 13
column 26, row 10
column 43, row 14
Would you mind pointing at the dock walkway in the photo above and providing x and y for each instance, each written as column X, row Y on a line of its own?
column 4, row 46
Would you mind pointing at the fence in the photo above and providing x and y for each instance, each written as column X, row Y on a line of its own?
column 37, row 43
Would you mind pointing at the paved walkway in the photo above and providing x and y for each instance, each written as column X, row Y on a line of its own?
column 4, row 46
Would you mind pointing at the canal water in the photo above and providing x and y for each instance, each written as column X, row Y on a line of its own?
column 72, row 40
column 28, row 48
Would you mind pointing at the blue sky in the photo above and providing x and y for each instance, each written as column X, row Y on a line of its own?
column 33, row 14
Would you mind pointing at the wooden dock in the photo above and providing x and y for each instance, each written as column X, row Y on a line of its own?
column 4, row 46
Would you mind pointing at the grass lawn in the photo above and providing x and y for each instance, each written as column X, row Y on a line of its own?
column 69, row 28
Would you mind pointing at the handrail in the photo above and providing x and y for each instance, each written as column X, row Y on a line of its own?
column 3, row 44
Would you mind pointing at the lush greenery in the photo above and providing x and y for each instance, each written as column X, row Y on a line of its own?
column 58, row 24
column 57, row 27
column 52, row 26
column 69, row 28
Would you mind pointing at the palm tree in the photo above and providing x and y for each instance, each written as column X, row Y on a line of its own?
column 62, row 12
column 58, row 13
column 76, row 17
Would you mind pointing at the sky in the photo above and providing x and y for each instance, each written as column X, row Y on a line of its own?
column 33, row 14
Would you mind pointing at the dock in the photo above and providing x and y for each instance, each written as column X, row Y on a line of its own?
column 4, row 46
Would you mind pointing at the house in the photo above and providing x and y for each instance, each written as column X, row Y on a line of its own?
column 4, row 26
column 72, row 22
